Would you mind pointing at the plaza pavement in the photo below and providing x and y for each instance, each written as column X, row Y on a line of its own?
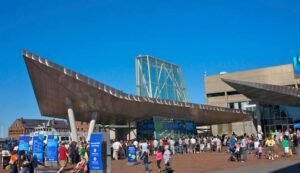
column 214, row 162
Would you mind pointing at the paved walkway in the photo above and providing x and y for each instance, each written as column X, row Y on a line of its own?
column 292, row 166
column 213, row 162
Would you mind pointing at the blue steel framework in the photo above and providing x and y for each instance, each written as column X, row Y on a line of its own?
column 159, row 79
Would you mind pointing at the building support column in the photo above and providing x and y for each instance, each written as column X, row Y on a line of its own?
column 71, row 118
column 129, row 129
column 94, row 117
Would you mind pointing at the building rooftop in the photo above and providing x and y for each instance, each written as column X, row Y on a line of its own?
column 31, row 123
column 53, row 84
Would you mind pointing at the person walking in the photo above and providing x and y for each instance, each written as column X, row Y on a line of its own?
column 232, row 142
column 270, row 143
column 172, row 145
column 63, row 157
column 286, row 146
column 158, row 157
column 295, row 143
column 244, row 143
column 219, row 144
column 167, row 156
column 13, row 162
column 82, row 150
column 25, row 167
column 155, row 144
column 145, row 159
column 180, row 143
column 116, row 148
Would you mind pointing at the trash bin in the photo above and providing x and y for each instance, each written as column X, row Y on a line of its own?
column 5, row 157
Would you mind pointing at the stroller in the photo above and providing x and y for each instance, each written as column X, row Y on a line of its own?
column 235, row 155
column 168, row 169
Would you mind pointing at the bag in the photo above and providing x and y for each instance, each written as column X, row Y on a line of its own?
column 85, row 169
column 290, row 152
column 7, row 167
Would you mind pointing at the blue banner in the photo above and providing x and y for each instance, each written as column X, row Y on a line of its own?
column 95, row 152
column 52, row 148
column 132, row 154
column 38, row 147
column 24, row 143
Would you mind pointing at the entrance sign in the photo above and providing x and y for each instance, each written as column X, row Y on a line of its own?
column 95, row 152
column 38, row 148
column 24, row 143
column 132, row 154
column 52, row 148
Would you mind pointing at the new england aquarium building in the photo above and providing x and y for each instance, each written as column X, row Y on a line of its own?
column 64, row 93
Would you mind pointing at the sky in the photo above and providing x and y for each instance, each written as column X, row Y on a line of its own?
column 101, row 39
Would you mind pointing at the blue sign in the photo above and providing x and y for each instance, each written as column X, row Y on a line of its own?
column 296, row 63
column 38, row 147
column 52, row 148
column 95, row 152
column 24, row 143
column 132, row 154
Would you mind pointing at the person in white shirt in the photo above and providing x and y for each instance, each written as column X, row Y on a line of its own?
column 260, row 135
column 172, row 145
column 116, row 147
column 155, row 144
column 219, row 144
column 167, row 156
column 243, row 146
column 136, row 144
column 193, row 145
column 144, row 147
column 256, row 144
column 287, row 133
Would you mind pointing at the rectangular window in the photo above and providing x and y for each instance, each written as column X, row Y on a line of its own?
column 215, row 94
column 230, row 93
column 236, row 105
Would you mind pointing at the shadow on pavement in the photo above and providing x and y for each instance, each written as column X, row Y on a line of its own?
column 293, row 168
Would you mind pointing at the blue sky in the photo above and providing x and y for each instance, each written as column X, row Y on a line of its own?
column 101, row 39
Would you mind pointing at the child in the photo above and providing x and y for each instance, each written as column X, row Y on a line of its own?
column 145, row 159
column 285, row 145
column 158, row 156
column 259, row 151
column 237, row 152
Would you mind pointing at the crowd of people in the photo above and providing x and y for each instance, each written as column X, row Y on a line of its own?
column 73, row 153
column 270, row 146
column 22, row 162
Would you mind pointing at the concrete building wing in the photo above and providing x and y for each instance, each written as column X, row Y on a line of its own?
column 266, row 93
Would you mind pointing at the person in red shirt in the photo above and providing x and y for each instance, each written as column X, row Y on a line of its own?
column 62, row 157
